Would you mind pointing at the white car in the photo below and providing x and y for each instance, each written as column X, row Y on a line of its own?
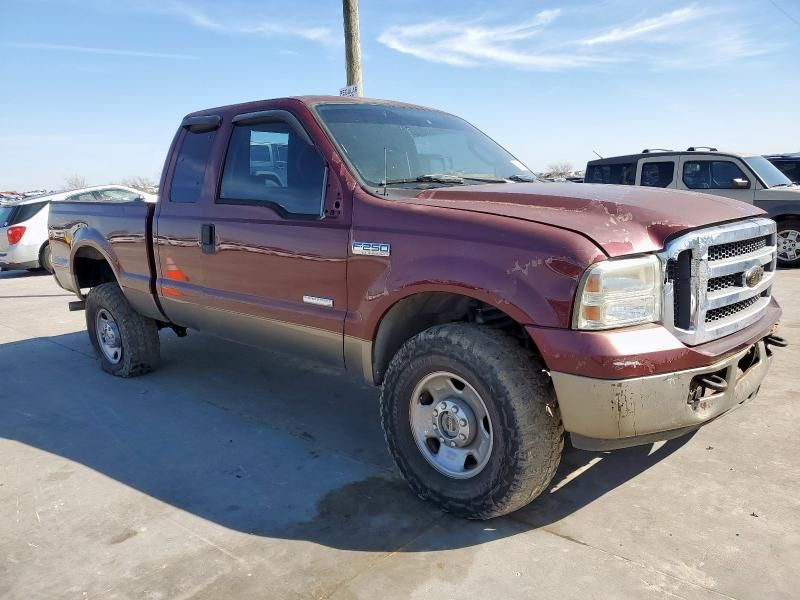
column 23, row 223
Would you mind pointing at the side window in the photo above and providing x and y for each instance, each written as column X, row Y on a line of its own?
column 84, row 197
column 619, row 174
column 190, row 166
column 28, row 211
column 789, row 168
column 117, row 195
column 657, row 174
column 292, row 184
column 713, row 175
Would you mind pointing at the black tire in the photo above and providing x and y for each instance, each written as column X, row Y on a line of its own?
column 527, row 433
column 140, row 347
column 46, row 258
column 787, row 246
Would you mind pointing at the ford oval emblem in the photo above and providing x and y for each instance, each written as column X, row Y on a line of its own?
column 753, row 276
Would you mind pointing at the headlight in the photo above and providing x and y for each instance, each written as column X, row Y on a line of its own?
column 616, row 293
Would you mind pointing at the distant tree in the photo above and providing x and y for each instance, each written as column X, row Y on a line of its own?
column 559, row 169
column 75, row 182
column 141, row 183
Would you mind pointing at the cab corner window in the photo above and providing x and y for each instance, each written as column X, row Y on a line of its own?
column 190, row 166
column 657, row 174
column 270, row 164
column 713, row 175
column 619, row 174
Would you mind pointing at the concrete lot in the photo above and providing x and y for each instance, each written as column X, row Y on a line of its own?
column 236, row 473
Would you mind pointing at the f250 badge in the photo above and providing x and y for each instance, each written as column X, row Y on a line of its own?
column 372, row 248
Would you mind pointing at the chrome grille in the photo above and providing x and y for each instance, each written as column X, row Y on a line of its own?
column 722, row 283
column 732, row 249
column 706, row 293
column 723, row 312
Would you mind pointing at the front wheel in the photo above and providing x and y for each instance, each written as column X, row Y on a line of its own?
column 471, row 420
column 125, row 342
column 789, row 243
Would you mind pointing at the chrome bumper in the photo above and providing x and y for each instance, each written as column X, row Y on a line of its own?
column 615, row 413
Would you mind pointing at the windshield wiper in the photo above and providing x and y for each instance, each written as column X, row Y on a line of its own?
column 781, row 185
column 521, row 178
column 430, row 178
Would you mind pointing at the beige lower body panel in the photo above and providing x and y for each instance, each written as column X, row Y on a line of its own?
column 614, row 409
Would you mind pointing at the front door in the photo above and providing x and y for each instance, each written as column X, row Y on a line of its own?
column 718, row 175
column 277, row 273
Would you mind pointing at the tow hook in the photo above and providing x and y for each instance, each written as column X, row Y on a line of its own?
column 774, row 340
column 713, row 382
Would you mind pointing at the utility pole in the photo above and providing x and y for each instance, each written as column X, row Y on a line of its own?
column 352, row 45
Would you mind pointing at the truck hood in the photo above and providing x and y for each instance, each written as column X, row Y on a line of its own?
column 619, row 219
column 779, row 193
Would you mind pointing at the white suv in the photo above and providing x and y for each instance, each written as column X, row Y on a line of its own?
column 749, row 178
column 23, row 234
column 23, row 223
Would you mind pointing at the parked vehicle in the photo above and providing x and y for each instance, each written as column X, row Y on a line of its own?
column 23, row 223
column 23, row 234
column 497, row 312
column 749, row 178
column 269, row 158
column 788, row 164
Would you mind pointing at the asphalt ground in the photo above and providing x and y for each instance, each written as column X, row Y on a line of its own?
column 239, row 473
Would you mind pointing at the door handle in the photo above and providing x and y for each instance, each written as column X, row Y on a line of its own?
column 208, row 238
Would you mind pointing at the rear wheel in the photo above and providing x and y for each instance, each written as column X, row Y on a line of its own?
column 471, row 420
column 125, row 342
column 46, row 258
column 789, row 242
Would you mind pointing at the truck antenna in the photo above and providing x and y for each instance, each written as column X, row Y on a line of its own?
column 598, row 154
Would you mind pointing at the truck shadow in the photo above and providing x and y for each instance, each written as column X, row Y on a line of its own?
column 259, row 443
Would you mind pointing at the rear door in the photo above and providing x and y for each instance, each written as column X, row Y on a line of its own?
column 182, row 210
column 718, row 175
column 275, row 267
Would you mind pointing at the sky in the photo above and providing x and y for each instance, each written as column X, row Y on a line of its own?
column 97, row 88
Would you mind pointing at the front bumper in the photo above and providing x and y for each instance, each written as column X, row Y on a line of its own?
column 615, row 413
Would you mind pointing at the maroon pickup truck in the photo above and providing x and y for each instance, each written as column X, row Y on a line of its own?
column 399, row 242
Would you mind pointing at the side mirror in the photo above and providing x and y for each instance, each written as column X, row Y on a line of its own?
column 740, row 184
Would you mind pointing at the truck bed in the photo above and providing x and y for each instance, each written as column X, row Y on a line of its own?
column 85, row 233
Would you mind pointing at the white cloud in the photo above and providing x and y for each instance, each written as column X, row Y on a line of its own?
column 555, row 40
column 94, row 50
column 641, row 28
column 227, row 21
column 468, row 44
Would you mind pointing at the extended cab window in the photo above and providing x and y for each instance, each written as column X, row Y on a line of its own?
column 190, row 166
column 657, row 174
column 289, row 176
column 712, row 175
column 619, row 174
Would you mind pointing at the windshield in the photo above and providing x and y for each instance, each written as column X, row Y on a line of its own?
column 768, row 172
column 402, row 145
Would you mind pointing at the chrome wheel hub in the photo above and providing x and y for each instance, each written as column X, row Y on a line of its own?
column 787, row 244
column 451, row 425
column 108, row 336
